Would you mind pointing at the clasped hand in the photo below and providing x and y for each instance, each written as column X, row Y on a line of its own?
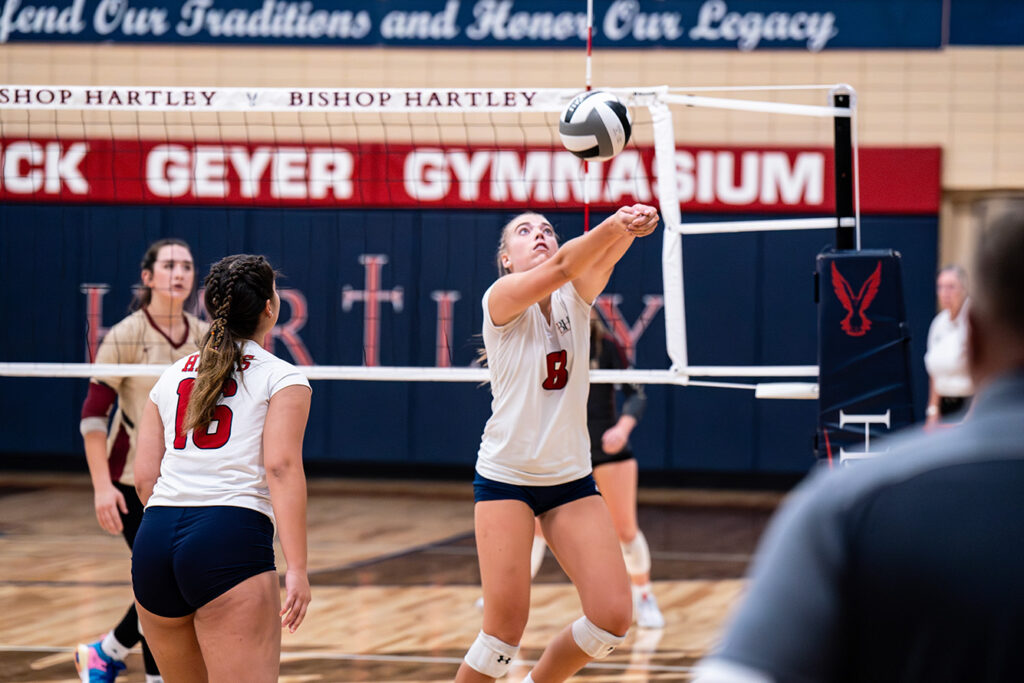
column 638, row 220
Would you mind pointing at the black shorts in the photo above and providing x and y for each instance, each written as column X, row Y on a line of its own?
column 184, row 557
column 599, row 457
column 539, row 498
column 130, row 520
column 950, row 406
column 596, row 429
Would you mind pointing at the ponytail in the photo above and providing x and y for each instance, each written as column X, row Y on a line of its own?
column 237, row 289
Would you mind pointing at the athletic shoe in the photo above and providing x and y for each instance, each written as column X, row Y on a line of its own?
column 94, row 665
column 645, row 610
column 479, row 604
column 645, row 643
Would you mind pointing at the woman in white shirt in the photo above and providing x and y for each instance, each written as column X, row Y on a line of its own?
column 950, row 386
column 534, row 458
column 219, row 462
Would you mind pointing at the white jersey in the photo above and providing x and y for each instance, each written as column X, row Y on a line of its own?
column 224, row 465
column 540, row 379
column 946, row 356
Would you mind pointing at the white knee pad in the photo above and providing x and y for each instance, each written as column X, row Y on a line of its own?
column 594, row 641
column 637, row 555
column 490, row 656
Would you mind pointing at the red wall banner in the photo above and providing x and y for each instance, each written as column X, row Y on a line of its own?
column 324, row 175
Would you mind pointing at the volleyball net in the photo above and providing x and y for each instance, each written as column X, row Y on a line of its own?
column 382, row 207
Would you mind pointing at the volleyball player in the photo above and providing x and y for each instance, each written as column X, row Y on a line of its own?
column 159, row 332
column 219, row 462
column 615, row 467
column 615, row 472
column 534, row 458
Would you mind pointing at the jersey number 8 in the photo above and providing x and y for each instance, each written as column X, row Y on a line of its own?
column 557, row 372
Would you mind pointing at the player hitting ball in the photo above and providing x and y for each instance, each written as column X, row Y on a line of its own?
column 534, row 458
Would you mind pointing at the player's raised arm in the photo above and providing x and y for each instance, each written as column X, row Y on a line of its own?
column 536, row 266
column 641, row 221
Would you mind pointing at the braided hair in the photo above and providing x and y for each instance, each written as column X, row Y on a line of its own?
column 237, row 290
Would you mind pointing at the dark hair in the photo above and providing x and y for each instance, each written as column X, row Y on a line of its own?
column 237, row 290
column 598, row 333
column 999, row 271
column 143, row 294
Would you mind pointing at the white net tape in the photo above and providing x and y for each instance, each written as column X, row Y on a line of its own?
column 790, row 390
column 416, row 374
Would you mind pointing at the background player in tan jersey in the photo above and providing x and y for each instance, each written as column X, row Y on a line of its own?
column 158, row 332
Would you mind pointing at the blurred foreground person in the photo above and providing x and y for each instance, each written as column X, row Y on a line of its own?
column 907, row 567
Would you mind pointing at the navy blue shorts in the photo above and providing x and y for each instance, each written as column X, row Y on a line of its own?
column 184, row 557
column 539, row 498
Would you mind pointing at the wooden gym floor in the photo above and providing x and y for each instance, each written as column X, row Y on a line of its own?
column 394, row 576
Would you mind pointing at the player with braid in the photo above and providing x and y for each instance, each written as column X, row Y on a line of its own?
column 159, row 332
column 534, row 457
column 219, row 465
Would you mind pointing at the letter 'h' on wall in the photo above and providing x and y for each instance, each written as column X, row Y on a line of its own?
column 864, row 389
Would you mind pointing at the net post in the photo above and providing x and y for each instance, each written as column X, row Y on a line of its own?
column 843, row 157
column 672, row 247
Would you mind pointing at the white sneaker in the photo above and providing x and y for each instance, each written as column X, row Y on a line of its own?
column 645, row 610
column 479, row 604
column 645, row 643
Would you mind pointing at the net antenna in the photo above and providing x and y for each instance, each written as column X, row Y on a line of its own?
column 588, row 81
column 543, row 103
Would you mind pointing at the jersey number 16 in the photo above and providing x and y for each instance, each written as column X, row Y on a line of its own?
column 221, row 416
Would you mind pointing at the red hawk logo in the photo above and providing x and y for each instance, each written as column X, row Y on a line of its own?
column 858, row 303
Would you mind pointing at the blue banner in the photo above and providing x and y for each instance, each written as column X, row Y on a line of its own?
column 68, row 270
column 809, row 25
column 986, row 22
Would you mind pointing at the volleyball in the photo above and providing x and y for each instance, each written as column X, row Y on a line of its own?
column 595, row 126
